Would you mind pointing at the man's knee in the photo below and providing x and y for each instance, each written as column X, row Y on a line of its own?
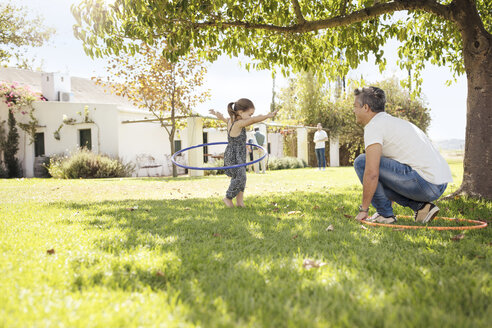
column 360, row 162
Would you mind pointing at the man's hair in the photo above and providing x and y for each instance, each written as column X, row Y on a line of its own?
column 374, row 97
column 257, row 129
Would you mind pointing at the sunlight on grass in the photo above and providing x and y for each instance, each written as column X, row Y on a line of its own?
column 141, row 252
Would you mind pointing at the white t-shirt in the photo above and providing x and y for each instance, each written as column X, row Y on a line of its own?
column 407, row 144
column 319, row 135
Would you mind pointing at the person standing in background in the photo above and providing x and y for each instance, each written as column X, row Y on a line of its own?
column 320, row 137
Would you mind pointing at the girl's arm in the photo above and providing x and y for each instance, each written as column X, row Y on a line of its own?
column 218, row 115
column 255, row 119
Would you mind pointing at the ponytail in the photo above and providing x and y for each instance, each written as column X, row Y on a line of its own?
column 242, row 104
column 231, row 110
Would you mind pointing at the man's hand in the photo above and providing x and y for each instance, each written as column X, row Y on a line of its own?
column 213, row 112
column 361, row 216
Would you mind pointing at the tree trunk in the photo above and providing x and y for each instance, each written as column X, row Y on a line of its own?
column 171, row 140
column 477, row 53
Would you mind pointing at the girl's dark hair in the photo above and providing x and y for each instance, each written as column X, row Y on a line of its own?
column 242, row 105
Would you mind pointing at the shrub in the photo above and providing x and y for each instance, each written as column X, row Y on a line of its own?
column 275, row 163
column 85, row 164
column 215, row 163
column 3, row 172
column 10, row 148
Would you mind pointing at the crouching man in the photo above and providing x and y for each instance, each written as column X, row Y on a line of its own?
column 400, row 163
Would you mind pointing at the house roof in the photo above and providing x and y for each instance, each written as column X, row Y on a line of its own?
column 83, row 90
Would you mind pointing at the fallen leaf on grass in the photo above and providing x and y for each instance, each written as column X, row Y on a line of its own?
column 458, row 237
column 348, row 216
column 159, row 273
column 316, row 207
column 51, row 251
column 132, row 208
column 294, row 237
column 187, row 208
column 217, row 234
column 309, row 264
column 294, row 212
column 330, row 228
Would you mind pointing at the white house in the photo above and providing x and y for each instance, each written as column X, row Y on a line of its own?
column 80, row 113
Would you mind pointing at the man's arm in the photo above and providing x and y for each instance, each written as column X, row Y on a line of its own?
column 371, row 177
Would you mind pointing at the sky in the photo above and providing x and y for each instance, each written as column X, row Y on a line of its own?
column 228, row 81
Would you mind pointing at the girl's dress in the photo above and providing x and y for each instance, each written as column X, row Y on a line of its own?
column 235, row 153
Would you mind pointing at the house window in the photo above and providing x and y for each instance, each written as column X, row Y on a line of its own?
column 85, row 139
column 177, row 145
column 269, row 148
column 205, row 148
column 39, row 144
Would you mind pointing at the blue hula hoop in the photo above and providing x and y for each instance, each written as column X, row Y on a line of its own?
column 173, row 158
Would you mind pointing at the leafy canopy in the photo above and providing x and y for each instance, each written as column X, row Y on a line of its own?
column 166, row 89
column 17, row 32
column 332, row 36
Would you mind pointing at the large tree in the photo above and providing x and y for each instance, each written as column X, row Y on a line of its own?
column 168, row 90
column 324, row 35
column 19, row 30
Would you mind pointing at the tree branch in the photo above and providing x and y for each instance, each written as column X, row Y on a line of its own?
column 361, row 15
column 297, row 10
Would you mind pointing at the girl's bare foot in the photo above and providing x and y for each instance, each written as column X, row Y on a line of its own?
column 240, row 199
column 228, row 202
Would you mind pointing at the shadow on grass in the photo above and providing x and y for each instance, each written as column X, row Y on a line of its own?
column 249, row 262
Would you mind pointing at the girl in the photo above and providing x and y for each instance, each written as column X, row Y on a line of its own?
column 240, row 117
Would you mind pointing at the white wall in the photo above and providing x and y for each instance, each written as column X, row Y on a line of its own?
column 50, row 116
column 110, row 136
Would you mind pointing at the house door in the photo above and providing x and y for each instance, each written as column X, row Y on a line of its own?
column 39, row 144
column 85, row 139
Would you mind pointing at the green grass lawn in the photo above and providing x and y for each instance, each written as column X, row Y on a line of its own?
column 163, row 252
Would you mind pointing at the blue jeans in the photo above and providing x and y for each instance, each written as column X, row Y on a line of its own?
column 400, row 183
column 320, row 156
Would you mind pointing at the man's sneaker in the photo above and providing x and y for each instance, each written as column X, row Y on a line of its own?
column 378, row 218
column 426, row 213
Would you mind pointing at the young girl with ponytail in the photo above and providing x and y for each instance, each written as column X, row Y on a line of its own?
column 240, row 113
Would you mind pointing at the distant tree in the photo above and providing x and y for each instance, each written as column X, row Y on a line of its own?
column 17, row 31
column 168, row 90
column 311, row 98
column 10, row 148
column 325, row 35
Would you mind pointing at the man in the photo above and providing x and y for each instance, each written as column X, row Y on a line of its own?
column 257, row 152
column 400, row 163
column 320, row 137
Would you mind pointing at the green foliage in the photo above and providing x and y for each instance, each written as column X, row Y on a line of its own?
column 215, row 163
column 10, row 149
column 87, row 165
column 19, row 32
column 336, row 36
column 312, row 98
column 282, row 163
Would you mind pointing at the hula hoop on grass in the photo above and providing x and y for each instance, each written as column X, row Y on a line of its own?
column 215, row 168
column 479, row 225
